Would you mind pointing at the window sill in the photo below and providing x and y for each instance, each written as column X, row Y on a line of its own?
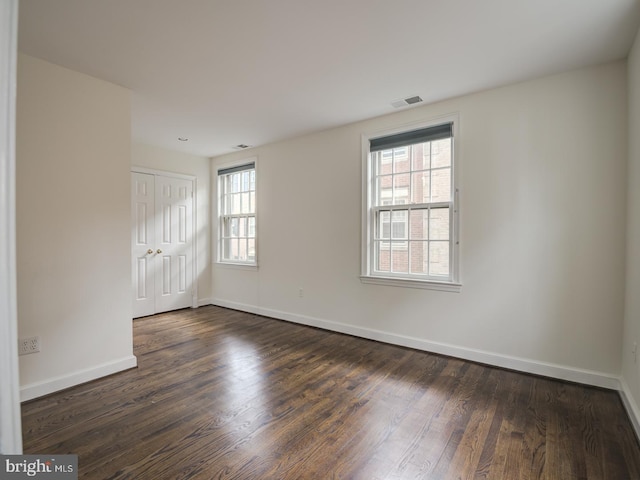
column 407, row 283
column 236, row 266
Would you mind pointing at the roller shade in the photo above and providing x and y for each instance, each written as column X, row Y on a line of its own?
column 422, row 135
column 237, row 168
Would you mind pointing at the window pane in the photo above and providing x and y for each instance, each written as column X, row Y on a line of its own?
column 426, row 156
column 418, row 159
column 419, row 257
column 439, row 258
column 244, row 232
column 441, row 153
column 383, row 162
column 401, row 184
column 418, row 224
column 384, row 189
column 383, row 256
column 226, row 248
column 251, row 249
column 441, row 185
column 399, row 224
column 235, row 182
column 420, row 185
column 226, row 227
column 439, row 224
column 234, row 204
column 252, row 227
column 246, row 176
column 242, row 249
column 401, row 162
column 384, row 224
column 228, row 184
column 244, row 198
column 231, row 248
column 400, row 261
column 252, row 203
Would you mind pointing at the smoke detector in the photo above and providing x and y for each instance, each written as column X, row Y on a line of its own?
column 241, row 146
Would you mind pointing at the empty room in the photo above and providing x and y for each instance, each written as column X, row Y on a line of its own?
column 295, row 239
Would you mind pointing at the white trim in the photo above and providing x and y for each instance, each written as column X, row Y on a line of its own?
column 562, row 372
column 204, row 302
column 39, row 389
column 194, row 221
column 412, row 283
column 236, row 266
column 367, row 226
column 194, row 239
column 10, row 418
column 630, row 406
column 162, row 173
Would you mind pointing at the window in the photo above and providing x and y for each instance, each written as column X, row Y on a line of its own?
column 237, row 207
column 410, row 213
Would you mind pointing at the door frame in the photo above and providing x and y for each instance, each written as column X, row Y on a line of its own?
column 194, row 221
column 10, row 417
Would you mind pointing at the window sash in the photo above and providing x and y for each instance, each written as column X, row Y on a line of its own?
column 416, row 265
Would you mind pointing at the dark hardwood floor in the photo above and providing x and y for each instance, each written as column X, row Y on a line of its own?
column 224, row 394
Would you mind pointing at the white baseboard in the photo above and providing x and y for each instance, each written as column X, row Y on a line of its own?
column 39, row 389
column 204, row 301
column 630, row 406
column 561, row 372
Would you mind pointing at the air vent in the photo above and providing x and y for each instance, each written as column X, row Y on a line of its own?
column 241, row 146
column 406, row 101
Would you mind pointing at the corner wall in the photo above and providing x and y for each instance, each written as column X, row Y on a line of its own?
column 542, row 176
column 73, row 226
column 631, row 359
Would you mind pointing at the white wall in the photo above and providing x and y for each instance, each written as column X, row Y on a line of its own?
column 543, row 189
column 631, row 362
column 177, row 162
column 73, row 226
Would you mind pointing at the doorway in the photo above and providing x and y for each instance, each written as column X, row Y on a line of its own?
column 162, row 242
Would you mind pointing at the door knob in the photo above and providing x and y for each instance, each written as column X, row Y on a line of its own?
column 158, row 251
column 149, row 252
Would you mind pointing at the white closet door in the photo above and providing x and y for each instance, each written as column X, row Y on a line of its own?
column 143, row 244
column 162, row 243
column 173, row 257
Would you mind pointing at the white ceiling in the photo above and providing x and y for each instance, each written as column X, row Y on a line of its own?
column 224, row 72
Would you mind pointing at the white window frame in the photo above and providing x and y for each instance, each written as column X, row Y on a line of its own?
column 251, row 264
column 368, row 273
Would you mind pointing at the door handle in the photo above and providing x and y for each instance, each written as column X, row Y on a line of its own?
column 158, row 251
column 149, row 252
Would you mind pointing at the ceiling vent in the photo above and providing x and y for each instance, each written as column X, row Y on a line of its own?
column 406, row 101
column 241, row 146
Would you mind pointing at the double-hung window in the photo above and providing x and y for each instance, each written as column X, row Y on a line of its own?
column 237, row 214
column 410, row 216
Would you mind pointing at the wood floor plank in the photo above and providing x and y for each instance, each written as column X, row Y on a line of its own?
column 230, row 395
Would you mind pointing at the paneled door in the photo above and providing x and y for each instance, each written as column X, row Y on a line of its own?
column 162, row 243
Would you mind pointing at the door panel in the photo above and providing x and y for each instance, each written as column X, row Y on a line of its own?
column 173, row 196
column 163, row 224
column 143, row 229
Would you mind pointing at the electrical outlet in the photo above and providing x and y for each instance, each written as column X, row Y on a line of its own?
column 28, row 345
column 300, row 293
